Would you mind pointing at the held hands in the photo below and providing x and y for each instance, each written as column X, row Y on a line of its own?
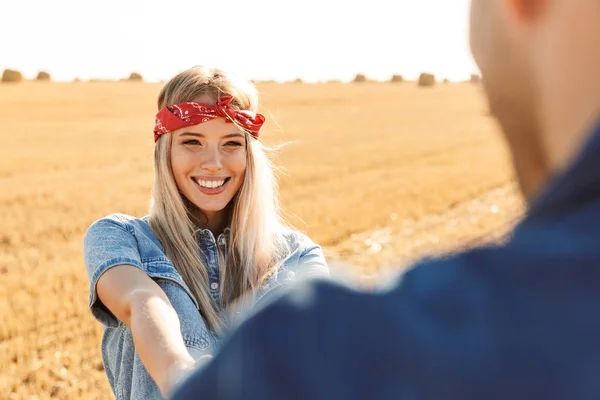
column 178, row 371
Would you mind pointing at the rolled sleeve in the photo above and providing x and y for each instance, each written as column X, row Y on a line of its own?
column 312, row 263
column 107, row 243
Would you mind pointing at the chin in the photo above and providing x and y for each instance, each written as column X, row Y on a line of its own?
column 212, row 205
column 211, row 208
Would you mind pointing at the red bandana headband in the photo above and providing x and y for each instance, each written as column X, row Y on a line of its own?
column 181, row 115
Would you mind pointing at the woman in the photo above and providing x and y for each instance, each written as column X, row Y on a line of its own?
column 161, row 285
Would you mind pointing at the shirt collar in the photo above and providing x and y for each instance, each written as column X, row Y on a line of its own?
column 223, row 238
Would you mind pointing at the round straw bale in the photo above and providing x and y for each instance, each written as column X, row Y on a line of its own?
column 43, row 76
column 360, row 78
column 426, row 80
column 135, row 77
column 10, row 75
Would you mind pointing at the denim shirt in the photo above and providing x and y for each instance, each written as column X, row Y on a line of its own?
column 121, row 239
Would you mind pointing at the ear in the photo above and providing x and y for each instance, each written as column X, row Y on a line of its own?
column 527, row 11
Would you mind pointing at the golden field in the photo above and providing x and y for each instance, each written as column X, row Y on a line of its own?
column 377, row 173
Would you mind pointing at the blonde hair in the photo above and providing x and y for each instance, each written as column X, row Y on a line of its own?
column 257, row 244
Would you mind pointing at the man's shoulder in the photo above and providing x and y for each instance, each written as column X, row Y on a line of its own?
column 426, row 277
column 463, row 287
column 446, row 326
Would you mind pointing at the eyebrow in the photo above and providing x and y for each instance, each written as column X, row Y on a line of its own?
column 231, row 135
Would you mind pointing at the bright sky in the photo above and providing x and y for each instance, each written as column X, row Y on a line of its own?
column 259, row 39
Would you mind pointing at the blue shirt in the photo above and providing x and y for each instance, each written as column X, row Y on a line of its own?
column 120, row 239
column 519, row 321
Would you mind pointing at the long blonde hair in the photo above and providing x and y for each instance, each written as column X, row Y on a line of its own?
column 257, row 244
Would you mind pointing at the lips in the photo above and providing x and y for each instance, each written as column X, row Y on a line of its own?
column 211, row 186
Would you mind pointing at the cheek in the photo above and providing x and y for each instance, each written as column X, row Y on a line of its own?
column 493, row 40
column 565, row 37
column 479, row 32
column 180, row 164
column 237, row 163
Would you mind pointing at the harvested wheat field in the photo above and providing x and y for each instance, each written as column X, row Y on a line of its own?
column 378, row 173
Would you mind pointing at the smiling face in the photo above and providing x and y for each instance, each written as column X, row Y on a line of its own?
column 209, row 164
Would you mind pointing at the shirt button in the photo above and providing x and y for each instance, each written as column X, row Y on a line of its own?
column 214, row 285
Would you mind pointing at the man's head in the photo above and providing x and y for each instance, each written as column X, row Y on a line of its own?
column 540, row 63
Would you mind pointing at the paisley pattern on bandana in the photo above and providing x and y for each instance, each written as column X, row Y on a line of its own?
column 181, row 115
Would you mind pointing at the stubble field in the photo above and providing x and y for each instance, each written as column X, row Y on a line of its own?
column 379, row 174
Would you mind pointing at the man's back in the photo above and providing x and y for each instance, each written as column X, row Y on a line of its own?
column 517, row 321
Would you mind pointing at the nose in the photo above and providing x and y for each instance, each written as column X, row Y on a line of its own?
column 211, row 160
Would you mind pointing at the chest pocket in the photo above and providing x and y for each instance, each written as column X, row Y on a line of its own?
column 198, row 339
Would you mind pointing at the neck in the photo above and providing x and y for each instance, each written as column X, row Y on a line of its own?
column 569, row 123
column 568, row 63
column 214, row 221
column 529, row 159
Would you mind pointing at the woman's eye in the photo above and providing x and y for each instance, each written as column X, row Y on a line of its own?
column 233, row 144
column 192, row 142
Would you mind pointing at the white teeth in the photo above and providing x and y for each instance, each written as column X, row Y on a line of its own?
column 210, row 184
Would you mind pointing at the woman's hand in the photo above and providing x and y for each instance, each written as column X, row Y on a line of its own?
column 178, row 371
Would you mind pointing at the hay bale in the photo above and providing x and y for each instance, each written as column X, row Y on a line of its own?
column 135, row 77
column 76, row 80
column 10, row 75
column 426, row 80
column 359, row 78
column 298, row 80
column 43, row 76
column 446, row 81
column 475, row 78
column 397, row 78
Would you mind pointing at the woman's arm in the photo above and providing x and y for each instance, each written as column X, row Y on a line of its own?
column 138, row 301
